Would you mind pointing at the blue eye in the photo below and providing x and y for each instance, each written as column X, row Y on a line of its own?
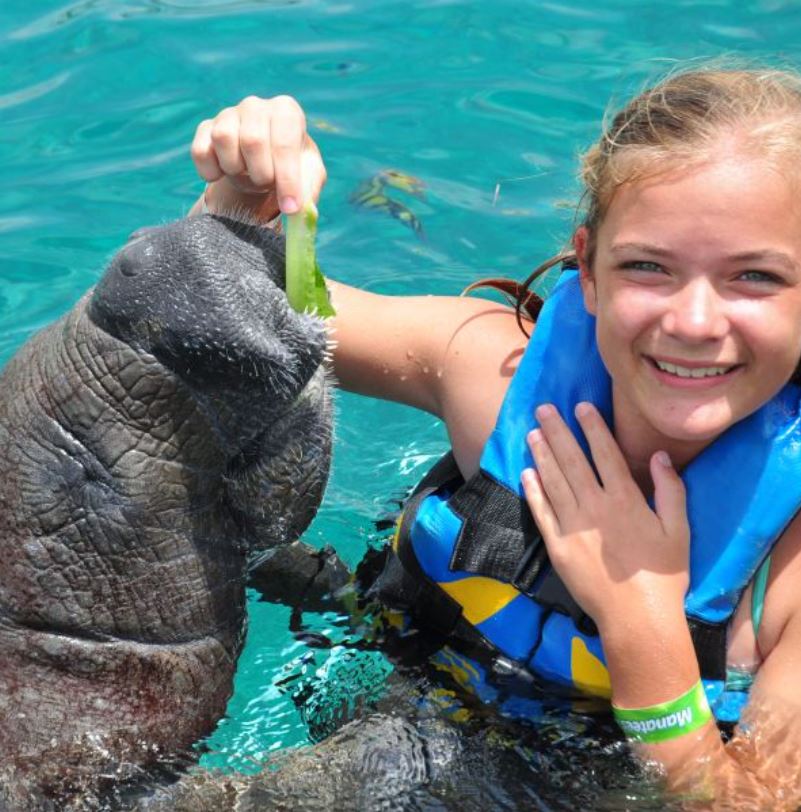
column 758, row 276
column 642, row 265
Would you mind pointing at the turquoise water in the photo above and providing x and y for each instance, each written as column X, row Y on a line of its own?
column 487, row 104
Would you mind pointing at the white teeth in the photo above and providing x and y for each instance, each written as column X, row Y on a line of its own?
column 687, row 372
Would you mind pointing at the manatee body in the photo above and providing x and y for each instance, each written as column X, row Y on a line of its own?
column 154, row 442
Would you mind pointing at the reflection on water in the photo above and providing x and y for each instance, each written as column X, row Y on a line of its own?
column 113, row 10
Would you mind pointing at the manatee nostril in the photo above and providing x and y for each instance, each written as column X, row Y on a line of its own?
column 128, row 267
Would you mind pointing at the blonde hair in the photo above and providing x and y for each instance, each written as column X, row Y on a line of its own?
column 685, row 120
column 682, row 121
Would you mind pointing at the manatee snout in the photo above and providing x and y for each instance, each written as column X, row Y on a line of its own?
column 205, row 295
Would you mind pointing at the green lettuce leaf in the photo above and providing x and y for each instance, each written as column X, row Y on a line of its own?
column 305, row 283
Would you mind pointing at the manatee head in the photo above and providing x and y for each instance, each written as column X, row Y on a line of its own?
column 205, row 296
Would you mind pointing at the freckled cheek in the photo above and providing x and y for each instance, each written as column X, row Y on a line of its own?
column 784, row 356
column 773, row 356
column 617, row 351
column 631, row 310
column 624, row 331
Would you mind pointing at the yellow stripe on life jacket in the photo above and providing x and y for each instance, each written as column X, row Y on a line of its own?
column 396, row 534
column 479, row 597
column 588, row 672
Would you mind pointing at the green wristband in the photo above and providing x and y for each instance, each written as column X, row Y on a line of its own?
column 668, row 720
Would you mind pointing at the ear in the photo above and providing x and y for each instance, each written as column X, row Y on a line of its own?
column 581, row 242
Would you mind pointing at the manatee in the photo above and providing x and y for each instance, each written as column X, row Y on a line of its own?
column 155, row 442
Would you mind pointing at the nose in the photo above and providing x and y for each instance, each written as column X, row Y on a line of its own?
column 696, row 313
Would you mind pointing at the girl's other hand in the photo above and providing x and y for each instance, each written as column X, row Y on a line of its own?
column 617, row 556
column 258, row 156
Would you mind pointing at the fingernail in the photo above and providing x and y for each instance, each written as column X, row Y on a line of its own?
column 583, row 409
column 289, row 205
column 545, row 410
column 535, row 436
column 663, row 458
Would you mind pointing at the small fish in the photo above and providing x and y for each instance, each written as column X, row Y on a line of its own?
column 367, row 190
column 326, row 126
column 370, row 195
column 406, row 183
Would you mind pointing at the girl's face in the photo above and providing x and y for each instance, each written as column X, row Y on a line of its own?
column 696, row 285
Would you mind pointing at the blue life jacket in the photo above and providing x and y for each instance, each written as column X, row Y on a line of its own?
column 477, row 557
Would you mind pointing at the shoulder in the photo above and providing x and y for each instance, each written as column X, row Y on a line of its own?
column 481, row 360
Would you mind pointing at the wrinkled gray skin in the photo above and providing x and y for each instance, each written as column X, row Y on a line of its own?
column 154, row 441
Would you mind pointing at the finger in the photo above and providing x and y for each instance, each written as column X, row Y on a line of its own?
column 225, row 142
column 540, row 507
column 254, row 142
column 287, row 134
column 554, row 484
column 606, row 453
column 670, row 495
column 313, row 170
column 568, row 453
column 203, row 154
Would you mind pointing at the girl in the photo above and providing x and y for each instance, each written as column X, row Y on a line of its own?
column 681, row 328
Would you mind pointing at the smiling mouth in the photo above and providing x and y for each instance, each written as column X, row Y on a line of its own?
column 696, row 372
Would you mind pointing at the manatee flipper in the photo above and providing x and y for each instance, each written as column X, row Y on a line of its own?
column 302, row 577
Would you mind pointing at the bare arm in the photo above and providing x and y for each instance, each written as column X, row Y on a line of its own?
column 450, row 356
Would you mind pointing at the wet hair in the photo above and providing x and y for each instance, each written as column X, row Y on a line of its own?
column 684, row 120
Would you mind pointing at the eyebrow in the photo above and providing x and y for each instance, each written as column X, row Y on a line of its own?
column 768, row 255
column 646, row 248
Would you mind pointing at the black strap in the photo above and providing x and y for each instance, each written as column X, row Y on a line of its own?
column 709, row 641
column 551, row 592
column 498, row 538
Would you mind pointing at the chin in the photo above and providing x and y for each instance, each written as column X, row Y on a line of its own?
column 694, row 428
